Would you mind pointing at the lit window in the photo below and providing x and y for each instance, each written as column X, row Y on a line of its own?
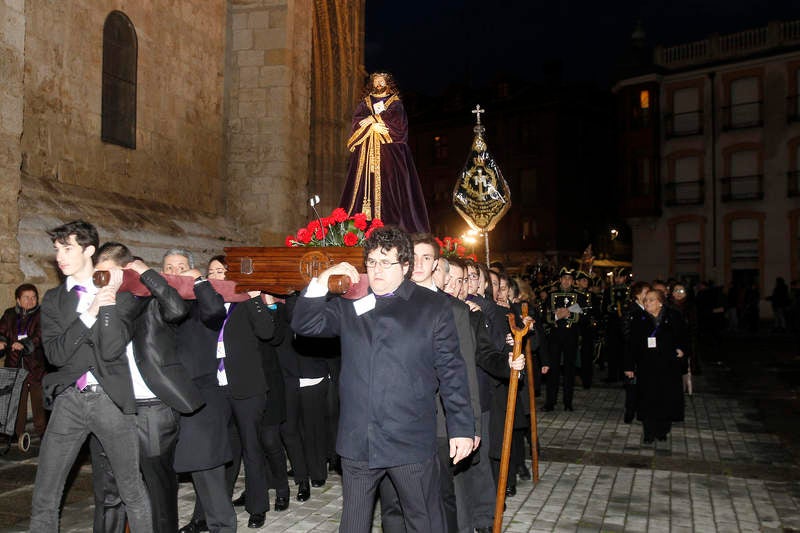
column 644, row 99
column 440, row 151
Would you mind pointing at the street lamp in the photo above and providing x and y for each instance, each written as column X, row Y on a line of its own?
column 470, row 237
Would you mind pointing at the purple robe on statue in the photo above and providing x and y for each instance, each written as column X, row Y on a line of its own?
column 381, row 165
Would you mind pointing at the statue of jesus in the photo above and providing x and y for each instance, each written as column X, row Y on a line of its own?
column 382, row 181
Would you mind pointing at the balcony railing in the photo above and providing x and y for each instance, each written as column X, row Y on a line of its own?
column 793, row 108
column 742, row 115
column 793, row 183
column 684, row 193
column 735, row 188
column 719, row 47
column 683, row 124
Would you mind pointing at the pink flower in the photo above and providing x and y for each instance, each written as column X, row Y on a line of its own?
column 339, row 215
column 350, row 239
column 376, row 223
column 289, row 240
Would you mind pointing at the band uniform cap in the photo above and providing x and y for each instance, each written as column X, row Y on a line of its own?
column 582, row 275
column 566, row 272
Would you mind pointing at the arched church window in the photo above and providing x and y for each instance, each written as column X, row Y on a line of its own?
column 120, row 53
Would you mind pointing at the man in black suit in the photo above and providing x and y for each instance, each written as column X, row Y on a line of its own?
column 426, row 258
column 161, row 388
column 204, row 445
column 399, row 344
column 84, row 337
column 241, row 378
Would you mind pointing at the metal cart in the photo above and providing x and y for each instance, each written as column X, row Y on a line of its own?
column 11, row 381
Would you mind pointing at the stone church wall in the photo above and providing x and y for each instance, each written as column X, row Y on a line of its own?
column 167, row 191
column 179, row 101
column 12, row 45
column 227, row 143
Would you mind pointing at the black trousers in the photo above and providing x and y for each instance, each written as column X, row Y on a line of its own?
column 515, row 459
column 290, row 431
column 211, row 488
column 276, row 458
column 314, row 428
column 157, row 429
column 392, row 520
column 418, row 489
column 563, row 347
column 631, row 399
column 245, row 434
column 332, row 401
column 475, row 485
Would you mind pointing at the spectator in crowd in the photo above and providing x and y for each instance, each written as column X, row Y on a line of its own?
column 657, row 345
column 780, row 305
column 21, row 343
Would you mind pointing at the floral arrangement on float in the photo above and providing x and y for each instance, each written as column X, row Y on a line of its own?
column 338, row 229
column 453, row 247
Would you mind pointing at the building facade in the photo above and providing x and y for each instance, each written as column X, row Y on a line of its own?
column 709, row 147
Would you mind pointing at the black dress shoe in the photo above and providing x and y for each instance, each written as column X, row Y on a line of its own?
column 523, row 472
column 239, row 502
column 511, row 491
column 662, row 437
column 317, row 483
column 568, row 408
column 547, row 407
column 628, row 417
column 303, row 491
column 256, row 520
column 194, row 526
column 648, row 439
column 281, row 503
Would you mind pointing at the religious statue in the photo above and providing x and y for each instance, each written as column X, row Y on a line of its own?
column 382, row 181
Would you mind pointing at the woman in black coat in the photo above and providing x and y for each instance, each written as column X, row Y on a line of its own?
column 657, row 345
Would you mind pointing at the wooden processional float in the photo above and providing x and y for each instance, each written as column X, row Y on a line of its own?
column 284, row 270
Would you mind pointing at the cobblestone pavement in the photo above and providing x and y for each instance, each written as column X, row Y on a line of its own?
column 720, row 470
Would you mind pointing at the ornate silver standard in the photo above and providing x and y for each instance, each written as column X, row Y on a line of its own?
column 481, row 195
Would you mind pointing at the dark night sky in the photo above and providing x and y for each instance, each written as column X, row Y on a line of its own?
column 428, row 44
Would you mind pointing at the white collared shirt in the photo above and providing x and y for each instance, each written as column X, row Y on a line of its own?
column 85, row 300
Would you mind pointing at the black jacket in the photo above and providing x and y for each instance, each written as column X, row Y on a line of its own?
column 73, row 348
column 154, row 343
column 394, row 358
column 249, row 324
column 203, row 441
